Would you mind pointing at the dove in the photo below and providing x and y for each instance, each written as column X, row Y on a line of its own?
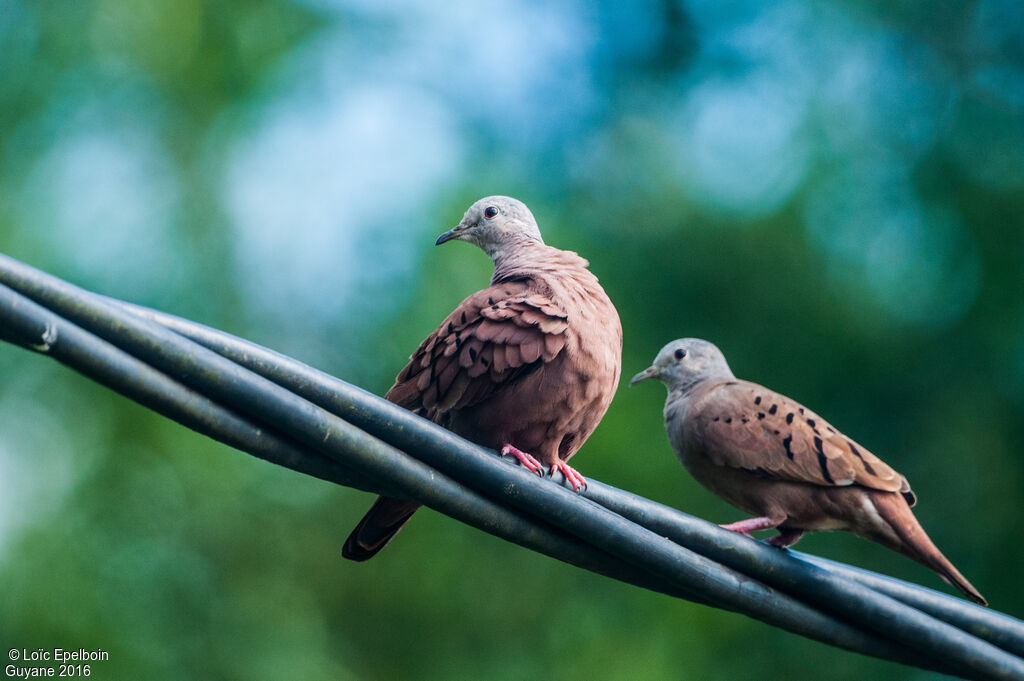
column 527, row 366
column 777, row 460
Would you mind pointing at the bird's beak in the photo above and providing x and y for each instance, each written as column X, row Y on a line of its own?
column 452, row 233
column 649, row 372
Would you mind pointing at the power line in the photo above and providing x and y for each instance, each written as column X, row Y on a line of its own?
column 283, row 411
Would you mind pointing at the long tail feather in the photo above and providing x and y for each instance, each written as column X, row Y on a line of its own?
column 379, row 526
column 914, row 543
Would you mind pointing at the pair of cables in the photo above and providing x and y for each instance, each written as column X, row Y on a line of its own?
column 290, row 414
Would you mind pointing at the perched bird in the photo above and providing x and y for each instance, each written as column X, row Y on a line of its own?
column 779, row 461
column 528, row 365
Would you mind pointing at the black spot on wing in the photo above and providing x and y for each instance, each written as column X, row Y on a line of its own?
column 757, row 400
column 786, row 443
column 823, row 461
column 789, row 417
column 774, row 408
column 856, row 453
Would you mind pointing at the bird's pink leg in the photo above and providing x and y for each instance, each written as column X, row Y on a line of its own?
column 527, row 460
column 577, row 481
column 745, row 527
column 785, row 538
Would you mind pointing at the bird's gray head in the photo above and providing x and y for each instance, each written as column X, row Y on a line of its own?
column 494, row 223
column 686, row 362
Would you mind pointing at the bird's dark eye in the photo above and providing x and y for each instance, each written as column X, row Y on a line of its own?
column 680, row 353
column 490, row 212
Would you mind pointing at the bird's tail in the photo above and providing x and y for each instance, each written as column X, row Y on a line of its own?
column 914, row 543
column 379, row 526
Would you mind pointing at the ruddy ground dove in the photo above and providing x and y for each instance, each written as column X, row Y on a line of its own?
column 528, row 365
column 779, row 461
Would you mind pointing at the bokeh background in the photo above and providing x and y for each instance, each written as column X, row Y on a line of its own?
column 832, row 191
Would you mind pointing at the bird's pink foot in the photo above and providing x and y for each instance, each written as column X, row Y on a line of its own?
column 577, row 481
column 785, row 538
column 745, row 527
column 527, row 460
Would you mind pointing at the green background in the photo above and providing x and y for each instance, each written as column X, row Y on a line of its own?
column 831, row 191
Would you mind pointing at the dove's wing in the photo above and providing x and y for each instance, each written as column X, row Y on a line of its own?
column 493, row 337
column 744, row 425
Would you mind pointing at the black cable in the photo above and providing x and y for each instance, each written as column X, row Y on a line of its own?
column 941, row 646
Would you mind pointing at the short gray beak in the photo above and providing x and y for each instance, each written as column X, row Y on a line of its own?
column 649, row 372
column 448, row 236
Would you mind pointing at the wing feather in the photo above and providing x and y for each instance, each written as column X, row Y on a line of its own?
column 492, row 337
column 745, row 425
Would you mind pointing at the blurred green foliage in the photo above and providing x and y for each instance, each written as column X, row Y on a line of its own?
column 830, row 191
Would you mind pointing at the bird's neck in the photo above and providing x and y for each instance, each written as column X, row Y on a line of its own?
column 686, row 386
column 683, row 387
column 521, row 258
